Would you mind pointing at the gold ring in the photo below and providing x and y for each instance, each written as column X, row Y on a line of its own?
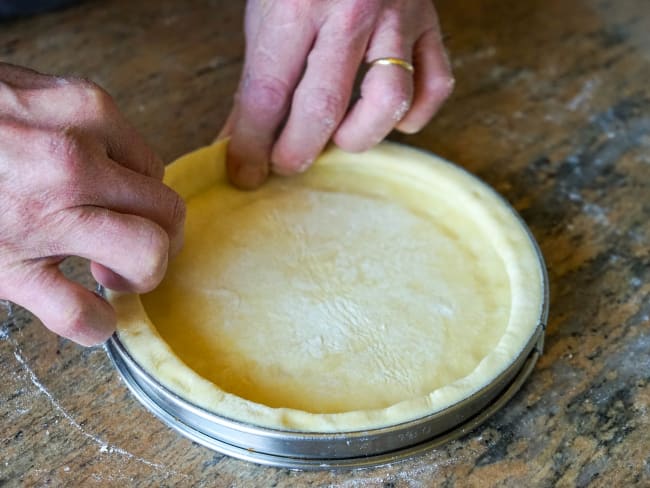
column 394, row 61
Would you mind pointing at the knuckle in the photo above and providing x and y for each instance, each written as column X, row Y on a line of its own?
column 65, row 146
column 266, row 93
column 359, row 17
column 440, row 88
column 79, row 323
column 325, row 105
column 394, row 99
column 72, row 320
column 73, row 324
column 91, row 97
column 153, row 259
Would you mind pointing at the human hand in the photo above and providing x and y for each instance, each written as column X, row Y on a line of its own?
column 302, row 57
column 76, row 179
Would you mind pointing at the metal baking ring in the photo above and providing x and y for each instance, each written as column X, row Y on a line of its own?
column 310, row 451
column 358, row 449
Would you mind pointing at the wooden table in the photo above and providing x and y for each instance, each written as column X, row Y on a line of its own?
column 552, row 108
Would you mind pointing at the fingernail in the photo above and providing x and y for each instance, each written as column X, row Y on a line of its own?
column 244, row 175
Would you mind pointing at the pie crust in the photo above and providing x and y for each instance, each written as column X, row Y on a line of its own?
column 374, row 289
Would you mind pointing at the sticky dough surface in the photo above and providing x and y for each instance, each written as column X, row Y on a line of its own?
column 372, row 290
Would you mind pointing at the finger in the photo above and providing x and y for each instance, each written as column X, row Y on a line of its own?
column 321, row 98
column 386, row 93
column 130, row 246
column 434, row 81
column 126, row 146
column 275, row 61
column 63, row 306
column 128, row 192
column 109, row 279
column 89, row 178
column 159, row 204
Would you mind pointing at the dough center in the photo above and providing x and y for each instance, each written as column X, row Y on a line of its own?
column 327, row 302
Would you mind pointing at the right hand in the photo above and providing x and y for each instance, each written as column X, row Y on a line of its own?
column 302, row 57
column 77, row 179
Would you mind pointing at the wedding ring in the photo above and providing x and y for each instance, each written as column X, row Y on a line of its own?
column 394, row 61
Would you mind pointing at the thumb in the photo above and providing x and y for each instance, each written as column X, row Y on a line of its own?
column 65, row 307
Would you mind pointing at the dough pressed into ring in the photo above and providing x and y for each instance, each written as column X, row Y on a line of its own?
column 372, row 290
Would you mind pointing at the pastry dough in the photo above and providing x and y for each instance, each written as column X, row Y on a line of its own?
column 372, row 290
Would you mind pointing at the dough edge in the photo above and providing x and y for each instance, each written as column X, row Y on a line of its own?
column 196, row 171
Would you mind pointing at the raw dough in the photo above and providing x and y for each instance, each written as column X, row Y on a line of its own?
column 372, row 290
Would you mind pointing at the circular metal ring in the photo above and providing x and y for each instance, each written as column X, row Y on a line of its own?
column 402, row 63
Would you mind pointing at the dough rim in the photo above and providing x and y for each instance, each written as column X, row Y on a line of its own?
column 195, row 172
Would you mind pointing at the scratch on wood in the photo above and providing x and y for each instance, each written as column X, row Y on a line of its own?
column 105, row 447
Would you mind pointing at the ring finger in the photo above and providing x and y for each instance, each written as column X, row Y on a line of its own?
column 386, row 94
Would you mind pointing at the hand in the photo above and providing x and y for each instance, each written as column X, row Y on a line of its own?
column 76, row 179
column 301, row 61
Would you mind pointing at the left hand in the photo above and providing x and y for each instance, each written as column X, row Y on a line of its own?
column 76, row 179
column 302, row 57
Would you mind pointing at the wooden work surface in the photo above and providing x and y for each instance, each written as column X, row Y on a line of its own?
column 552, row 108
